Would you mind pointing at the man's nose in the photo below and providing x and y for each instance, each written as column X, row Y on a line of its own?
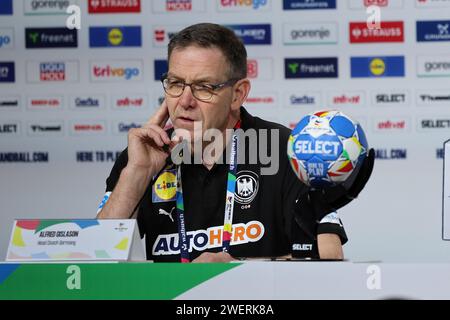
column 187, row 99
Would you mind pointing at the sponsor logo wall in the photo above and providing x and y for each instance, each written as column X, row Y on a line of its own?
column 66, row 93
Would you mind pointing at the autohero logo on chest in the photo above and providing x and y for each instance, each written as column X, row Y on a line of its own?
column 247, row 184
column 165, row 187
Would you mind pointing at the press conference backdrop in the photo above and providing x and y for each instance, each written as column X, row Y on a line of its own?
column 68, row 97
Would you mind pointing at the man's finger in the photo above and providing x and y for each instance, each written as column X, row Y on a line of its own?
column 161, row 115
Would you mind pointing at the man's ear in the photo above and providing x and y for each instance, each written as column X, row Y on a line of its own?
column 240, row 93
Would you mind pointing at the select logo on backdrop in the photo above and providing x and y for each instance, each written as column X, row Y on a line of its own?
column 129, row 102
column 391, row 31
column 240, row 5
column 307, row 68
column 392, row 125
column 390, row 99
column 253, row 34
column 310, row 33
column 43, row 102
column 7, row 71
column 426, row 124
column 362, row 4
column 350, row 98
column 45, row 7
column 116, row 70
column 377, row 67
column 88, row 102
column 118, row 36
column 308, row 4
column 52, row 71
column 432, row 3
column 162, row 6
column 87, row 127
column 433, row 66
column 6, row 38
column 303, row 99
column 163, row 34
column 9, row 102
column 260, row 68
column 437, row 98
column 10, row 128
column 161, row 67
column 431, row 31
column 6, row 7
column 109, row 6
column 53, row 128
column 50, row 38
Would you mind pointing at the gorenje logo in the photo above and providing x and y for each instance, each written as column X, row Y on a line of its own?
column 6, row 7
column 116, row 70
column 304, row 68
column 114, row 6
column 6, row 38
column 243, row 5
column 120, row 36
column 392, row 31
column 308, row 4
column 376, row 67
column 253, row 33
column 42, row 7
column 51, row 38
column 7, row 72
column 430, row 31
column 432, row 3
column 310, row 33
column 433, row 66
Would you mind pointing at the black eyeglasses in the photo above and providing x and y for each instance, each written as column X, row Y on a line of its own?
column 201, row 91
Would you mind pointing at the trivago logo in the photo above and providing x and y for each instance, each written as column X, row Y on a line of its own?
column 119, row 70
column 243, row 5
column 242, row 233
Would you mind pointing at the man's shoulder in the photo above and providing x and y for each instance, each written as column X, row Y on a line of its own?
column 252, row 122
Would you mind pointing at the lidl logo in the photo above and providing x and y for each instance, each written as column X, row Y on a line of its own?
column 165, row 187
column 376, row 67
column 121, row 36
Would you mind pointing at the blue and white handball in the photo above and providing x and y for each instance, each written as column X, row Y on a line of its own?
column 325, row 148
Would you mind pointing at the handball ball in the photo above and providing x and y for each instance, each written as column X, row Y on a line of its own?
column 325, row 148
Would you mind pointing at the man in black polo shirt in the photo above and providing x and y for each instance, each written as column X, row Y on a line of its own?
column 219, row 211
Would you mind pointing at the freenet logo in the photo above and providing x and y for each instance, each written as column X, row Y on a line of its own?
column 310, row 33
column 116, row 70
column 308, row 4
column 45, row 7
column 6, row 7
column 6, row 38
column 377, row 67
column 7, row 72
column 118, row 36
column 243, row 5
column 433, row 66
column 111, row 6
column 307, row 68
column 50, row 38
column 392, row 31
column 430, row 31
column 257, row 34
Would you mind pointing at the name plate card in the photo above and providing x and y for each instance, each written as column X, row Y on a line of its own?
column 75, row 240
